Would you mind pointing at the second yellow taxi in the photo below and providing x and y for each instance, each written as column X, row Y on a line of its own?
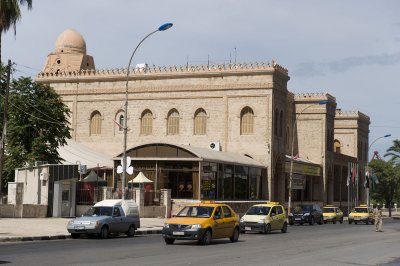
column 332, row 214
column 202, row 222
column 264, row 218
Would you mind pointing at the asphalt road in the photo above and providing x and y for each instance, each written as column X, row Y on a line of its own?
column 303, row 245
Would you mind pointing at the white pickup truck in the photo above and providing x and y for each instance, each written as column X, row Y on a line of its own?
column 107, row 217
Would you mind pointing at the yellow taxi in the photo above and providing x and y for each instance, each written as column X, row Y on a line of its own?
column 332, row 214
column 264, row 218
column 202, row 222
column 361, row 213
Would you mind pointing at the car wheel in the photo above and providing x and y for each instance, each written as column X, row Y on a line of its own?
column 341, row 221
column 104, row 232
column 243, row 232
column 75, row 236
column 321, row 221
column 284, row 228
column 301, row 223
column 355, row 222
column 169, row 241
column 367, row 222
column 268, row 229
column 291, row 223
column 235, row 235
column 350, row 222
column 312, row 222
column 334, row 221
column 131, row 231
column 325, row 222
column 206, row 239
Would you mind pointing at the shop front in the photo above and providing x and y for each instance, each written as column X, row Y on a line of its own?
column 196, row 173
column 307, row 181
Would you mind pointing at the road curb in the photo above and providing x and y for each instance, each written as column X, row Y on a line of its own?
column 58, row 237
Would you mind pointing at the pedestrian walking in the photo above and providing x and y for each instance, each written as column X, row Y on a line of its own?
column 378, row 218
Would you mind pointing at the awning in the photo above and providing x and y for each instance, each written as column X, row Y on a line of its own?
column 140, row 178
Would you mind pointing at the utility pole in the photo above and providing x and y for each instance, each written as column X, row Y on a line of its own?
column 3, row 133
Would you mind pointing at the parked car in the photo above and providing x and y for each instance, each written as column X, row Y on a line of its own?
column 107, row 217
column 202, row 222
column 361, row 213
column 306, row 213
column 264, row 218
column 332, row 214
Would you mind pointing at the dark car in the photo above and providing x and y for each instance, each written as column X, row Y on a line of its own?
column 306, row 213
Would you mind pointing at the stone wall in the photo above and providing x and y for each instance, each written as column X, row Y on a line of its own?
column 23, row 211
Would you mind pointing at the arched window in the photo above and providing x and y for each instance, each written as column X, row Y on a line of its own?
column 337, row 146
column 146, row 126
column 200, row 122
column 173, row 122
column 246, row 121
column 276, row 117
column 95, row 123
column 281, row 124
column 119, row 121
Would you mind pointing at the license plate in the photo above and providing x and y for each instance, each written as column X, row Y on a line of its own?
column 178, row 233
column 357, row 218
column 297, row 219
column 247, row 228
column 79, row 227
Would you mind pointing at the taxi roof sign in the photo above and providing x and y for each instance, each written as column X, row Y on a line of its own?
column 273, row 202
column 208, row 201
column 363, row 205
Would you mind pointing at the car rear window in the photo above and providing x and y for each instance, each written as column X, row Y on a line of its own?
column 329, row 209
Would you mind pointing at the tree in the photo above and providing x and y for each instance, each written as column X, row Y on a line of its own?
column 38, row 125
column 394, row 152
column 388, row 174
column 10, row 13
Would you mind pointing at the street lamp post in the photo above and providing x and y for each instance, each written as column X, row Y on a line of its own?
column 163, row 27
column 375, row 140
column 291, row 154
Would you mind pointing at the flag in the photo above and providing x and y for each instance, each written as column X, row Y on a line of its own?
column 353, row 172
column 348, row 174
column 366, row 182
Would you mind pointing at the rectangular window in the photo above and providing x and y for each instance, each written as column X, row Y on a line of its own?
column 241, row 182
column 225, row 183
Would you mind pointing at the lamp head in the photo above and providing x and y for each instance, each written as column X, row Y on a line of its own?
column 387, row 135
column 165, row 26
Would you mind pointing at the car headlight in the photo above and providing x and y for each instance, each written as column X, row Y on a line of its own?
column 306, row 214
column 241, row 220
column 166, row 225
column 196, row 226
column 261, row 221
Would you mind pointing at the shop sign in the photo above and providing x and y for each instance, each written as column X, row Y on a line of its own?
column 303, row 169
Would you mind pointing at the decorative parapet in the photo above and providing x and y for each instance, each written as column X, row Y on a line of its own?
column 314, row 96
column 122, row 72
column 351, row 114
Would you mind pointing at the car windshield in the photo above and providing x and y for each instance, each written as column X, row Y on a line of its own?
column 329, row 209
column 196, row 212
column 99, row 211
column 258, row 210
column 360, row 210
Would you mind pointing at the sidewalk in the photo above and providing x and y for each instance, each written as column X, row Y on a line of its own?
column 29, row 229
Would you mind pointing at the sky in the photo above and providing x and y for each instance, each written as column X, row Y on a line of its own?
column 347, row 48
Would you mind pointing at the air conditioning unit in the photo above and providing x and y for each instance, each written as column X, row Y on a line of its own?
column 215, row 145
column 44, row 176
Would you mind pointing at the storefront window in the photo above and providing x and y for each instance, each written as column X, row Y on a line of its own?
column 241, row 182
column 225, row 183
column 255, row 183
column 208, row 181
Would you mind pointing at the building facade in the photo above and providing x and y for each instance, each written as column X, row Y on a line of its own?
column 241, row 109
